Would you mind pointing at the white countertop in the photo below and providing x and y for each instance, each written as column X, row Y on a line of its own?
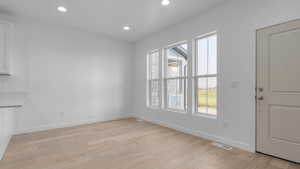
column 9, row 100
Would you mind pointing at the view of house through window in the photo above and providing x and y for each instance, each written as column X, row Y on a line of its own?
column 175, row 77
column 206, row 75
column 154, row 82
column 170, row 78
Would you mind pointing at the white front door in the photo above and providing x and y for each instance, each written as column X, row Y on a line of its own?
column 278, row 91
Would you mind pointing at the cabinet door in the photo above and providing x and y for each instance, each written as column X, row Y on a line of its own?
column 1, row 126
column 4, row 48
column 8, row 122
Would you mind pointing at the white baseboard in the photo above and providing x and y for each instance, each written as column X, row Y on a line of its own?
column 3, row 146
column 230, row 142
column 70, row 124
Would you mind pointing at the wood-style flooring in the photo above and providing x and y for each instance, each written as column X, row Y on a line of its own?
column 127, row 144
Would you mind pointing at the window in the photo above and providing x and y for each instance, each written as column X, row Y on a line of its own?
column 154, row 82
column 205, row 78
column 175, row 77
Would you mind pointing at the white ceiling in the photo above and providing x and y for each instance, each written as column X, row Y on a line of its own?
column 109, row 16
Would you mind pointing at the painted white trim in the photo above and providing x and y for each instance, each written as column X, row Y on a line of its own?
column 174, row 44
column 230, row 142
column 71, row 124
column 3, row 146
column 253, row 46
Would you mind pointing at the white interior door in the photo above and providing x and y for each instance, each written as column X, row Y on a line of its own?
column 278, row 91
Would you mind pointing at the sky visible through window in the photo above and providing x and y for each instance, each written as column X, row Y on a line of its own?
column 207, row 58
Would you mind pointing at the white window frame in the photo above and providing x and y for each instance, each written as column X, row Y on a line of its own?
column 165, row 79
column 150, row 80
column 196, row 77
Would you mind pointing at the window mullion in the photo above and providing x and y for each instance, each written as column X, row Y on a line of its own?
column 204, row 76
column 174, row 78
column 161, row 67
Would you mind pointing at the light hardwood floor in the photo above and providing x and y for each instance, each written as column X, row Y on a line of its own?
column 127, row 144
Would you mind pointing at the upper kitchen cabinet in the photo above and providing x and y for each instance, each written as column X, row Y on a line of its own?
column 5, row 47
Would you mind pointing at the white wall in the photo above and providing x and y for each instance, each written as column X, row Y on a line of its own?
column 236, row 23
column 70, row 77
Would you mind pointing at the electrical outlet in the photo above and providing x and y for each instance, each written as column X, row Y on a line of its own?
column 234, row 84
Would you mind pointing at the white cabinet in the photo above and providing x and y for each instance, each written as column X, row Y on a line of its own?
column 5, row 47
column 6, row 128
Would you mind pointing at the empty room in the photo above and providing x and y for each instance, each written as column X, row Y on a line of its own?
column 149, row 84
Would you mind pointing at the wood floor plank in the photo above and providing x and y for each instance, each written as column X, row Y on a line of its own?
column 127, row 144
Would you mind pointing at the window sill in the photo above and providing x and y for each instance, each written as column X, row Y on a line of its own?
column 204, row 115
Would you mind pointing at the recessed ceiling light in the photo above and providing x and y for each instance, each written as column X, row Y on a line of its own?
column 62, row 9
column 165, row 2
column 126, row 28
